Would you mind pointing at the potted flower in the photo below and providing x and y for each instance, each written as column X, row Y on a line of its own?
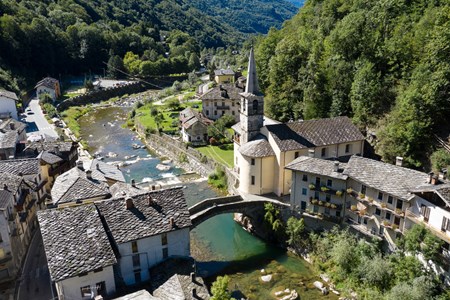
column 394, row 226
column 312, row 186
column 349, row 191
column 324, row 189
column 339, row 193
column 353, row 208
column 398, row 211
column 361, row 195
column 370, row 199
column 383, row 205
column 386, row 223
column 328, row 204
column 333, row 206
column 320, row 203
column 314, row 201
column 362, row 212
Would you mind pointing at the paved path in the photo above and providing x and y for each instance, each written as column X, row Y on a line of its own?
column 35, row 282
column 37, row 124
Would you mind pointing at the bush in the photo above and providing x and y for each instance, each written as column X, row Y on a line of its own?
column 440, row 159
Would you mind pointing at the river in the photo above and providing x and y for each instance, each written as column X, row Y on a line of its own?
column 219, row 245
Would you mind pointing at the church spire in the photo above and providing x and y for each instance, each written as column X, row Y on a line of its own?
column 252, row 85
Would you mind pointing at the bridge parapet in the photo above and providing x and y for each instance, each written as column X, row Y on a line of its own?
column 213, row 201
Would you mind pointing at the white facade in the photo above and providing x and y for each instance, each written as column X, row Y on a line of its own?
column 46, row 90
column 214, row 109
column 140, row 255
column 87, row 286
column 8, row 106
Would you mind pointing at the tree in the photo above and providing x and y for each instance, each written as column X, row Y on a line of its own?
column 375, row 272
column 440, row 159
column 219, row 289
column 194, row 61
column 295, row 229
column 115, row 67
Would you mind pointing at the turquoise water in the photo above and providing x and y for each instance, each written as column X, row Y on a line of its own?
column 222, row 246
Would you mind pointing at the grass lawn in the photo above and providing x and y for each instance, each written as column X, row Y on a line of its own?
column 222, row 153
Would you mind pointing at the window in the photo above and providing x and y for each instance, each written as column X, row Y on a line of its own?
column 86, row 292
column 324, row 152
column 164, row 239
column 317, row 182
column 399, row 204
column 316, row 209
column 304, row 191
column 233, row 112
column 390, row 200
column 232, row 103
column 255, row 106
column 381, row 231
column 338, row 213
column 425, row 212
column 327, row 211
column 215, row 112
column 215, row 103
column 137, row 276
column 134, row 246
column 365, row 221
column 363, row 189
column 328, row 197
column 380, row 196
column 316, row 195
column 101, row 288
column 253, row 161
column 253, row 180
column 445, row 224
column 165, row 252
column 296, row 154
column 329, row 183
column 303, row 205
column 207, row 112
column 223, row 104
column 136, row 261
column 305, row 177
column 388, row 216
column 347, row 148
column 378, row 212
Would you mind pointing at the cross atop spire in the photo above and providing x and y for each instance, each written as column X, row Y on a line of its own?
column 252, row 85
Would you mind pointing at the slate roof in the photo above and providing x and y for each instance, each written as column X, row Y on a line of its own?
column 73, row 185
column 223, row 92
column 9, row 95
column 75, row 241
column 50, row 146
column 314, row 133
column 25, row 166
column 5, row 126
column 47, row 82
column 441, row 189
column 223, row 72
column 6, row 197
column 394, row 180
column 8, row 139
column 257, row 148
column 13, row 182
column 145, row 220
column 49, row 157
column 102, row 171
column 317, row 166
column 139, row 295
column 122, row 189
column 189, row 117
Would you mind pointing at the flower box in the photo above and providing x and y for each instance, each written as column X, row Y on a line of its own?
column 312, row 186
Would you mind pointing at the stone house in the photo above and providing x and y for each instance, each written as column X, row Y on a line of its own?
column 146, row 229
column 194, row 126
column 79, row 256
column 222, row 100
column 50, row 86
column 224, row 76
column 8, row 108
column 12, row 135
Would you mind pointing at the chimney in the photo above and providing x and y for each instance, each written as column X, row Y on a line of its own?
column 133, row 183
column 194, row 293
column 336, row 166
column 434, row 180
column 89, row 174
column 430, row 177
column 171, row 222
column 12, row 125
column 399, row 161
column 97, row 166
column 150, row 200
column 56, row 149
column 311, row 152
column 193, row 277
column 5, row 187
column 129, row 203
column 80, row 165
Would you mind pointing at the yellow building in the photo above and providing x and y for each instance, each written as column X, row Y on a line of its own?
column 224, row 76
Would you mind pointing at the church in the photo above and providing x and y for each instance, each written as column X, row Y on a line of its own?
column 263, row 147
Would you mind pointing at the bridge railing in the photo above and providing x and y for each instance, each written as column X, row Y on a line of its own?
column 211, row 201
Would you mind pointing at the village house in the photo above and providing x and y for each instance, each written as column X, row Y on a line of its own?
column 146, row 229
column 194, row 126
column 8, row 108
column 224, row 76
column 49, row 86
column 222, row 100
column 12, row 135
column 79, row 256
column 260, row 146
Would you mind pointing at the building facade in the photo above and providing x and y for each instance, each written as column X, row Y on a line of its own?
column 8, row 108
column 221, row 100
column 49, row 86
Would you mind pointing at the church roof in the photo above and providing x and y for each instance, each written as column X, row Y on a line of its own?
column 314, row 133
column 257, row 148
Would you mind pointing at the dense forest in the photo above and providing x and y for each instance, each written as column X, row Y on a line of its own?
column 58, row 37
column 384, row 63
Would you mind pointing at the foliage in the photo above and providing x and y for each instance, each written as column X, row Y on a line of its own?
column 45, row 98
column 440, row 159
column 420, row 240
column 218, row 179
column 385, row 64
column 295, row 228
column 218, row 130
column 273, row 217
column 219, row 289
column 50, row 110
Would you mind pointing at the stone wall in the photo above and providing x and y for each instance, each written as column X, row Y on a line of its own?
column 102, row 95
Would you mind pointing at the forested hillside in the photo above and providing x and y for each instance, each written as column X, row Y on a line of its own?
column 385, row 63
column 52, row 37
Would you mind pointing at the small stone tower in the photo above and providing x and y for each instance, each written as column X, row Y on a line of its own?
column 252, row 104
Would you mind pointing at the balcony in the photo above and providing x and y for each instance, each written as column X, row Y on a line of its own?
column 321, row 216
column 419, row 220
column 325, row 189
column 371, row 202
column 325, row 204
column 362, row 229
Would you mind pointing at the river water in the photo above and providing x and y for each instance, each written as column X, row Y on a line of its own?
column 219, row 245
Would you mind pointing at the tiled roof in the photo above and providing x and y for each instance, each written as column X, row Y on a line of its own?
column 49, row 157
column 189, row 117
column 223, row 92
column 313, row 133
column 8, row 140
column 26, row 166
column 122, row 189
column 47, row 82
column 75, row 241
column 394, row 180
column 257, row 148
column 73, row 185
column 50, row 146
column 145, row 220
column 441, row 189
column 317, row 166
column 102, row 171
column 8, row 94
column 8, row 125
column 224, row 72
column 139, row 295
column 6, row 197
column 13, row 182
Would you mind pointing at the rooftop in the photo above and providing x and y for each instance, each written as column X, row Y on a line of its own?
column 6, row 197
column 223, row 92
column 257, row 148
column 25, row 166
column 102, row 171
column 75, row 241
column 11, row 181
column 122, row 189
column 11, row 125
column 394, row 180
column 314, row 133
column 49, row 157
column 223, row 72
column 144, row 220
column 51, row 146
column 9, row 95
column 47, row 82
column 317, row 166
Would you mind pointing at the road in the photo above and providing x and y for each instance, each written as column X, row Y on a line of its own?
column 34, row 282
column 35, row 119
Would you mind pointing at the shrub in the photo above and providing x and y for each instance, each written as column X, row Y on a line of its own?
column 183, row 158
column 314, row 201
column 333, row 206
column 361, row 195
column 349, row 190
column 204, row 159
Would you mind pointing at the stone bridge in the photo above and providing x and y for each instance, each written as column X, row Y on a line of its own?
column 211, row 207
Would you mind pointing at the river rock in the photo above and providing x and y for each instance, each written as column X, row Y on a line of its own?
column 318, row 284
column 325, row 277
column 263, row 271
column 266, row 278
